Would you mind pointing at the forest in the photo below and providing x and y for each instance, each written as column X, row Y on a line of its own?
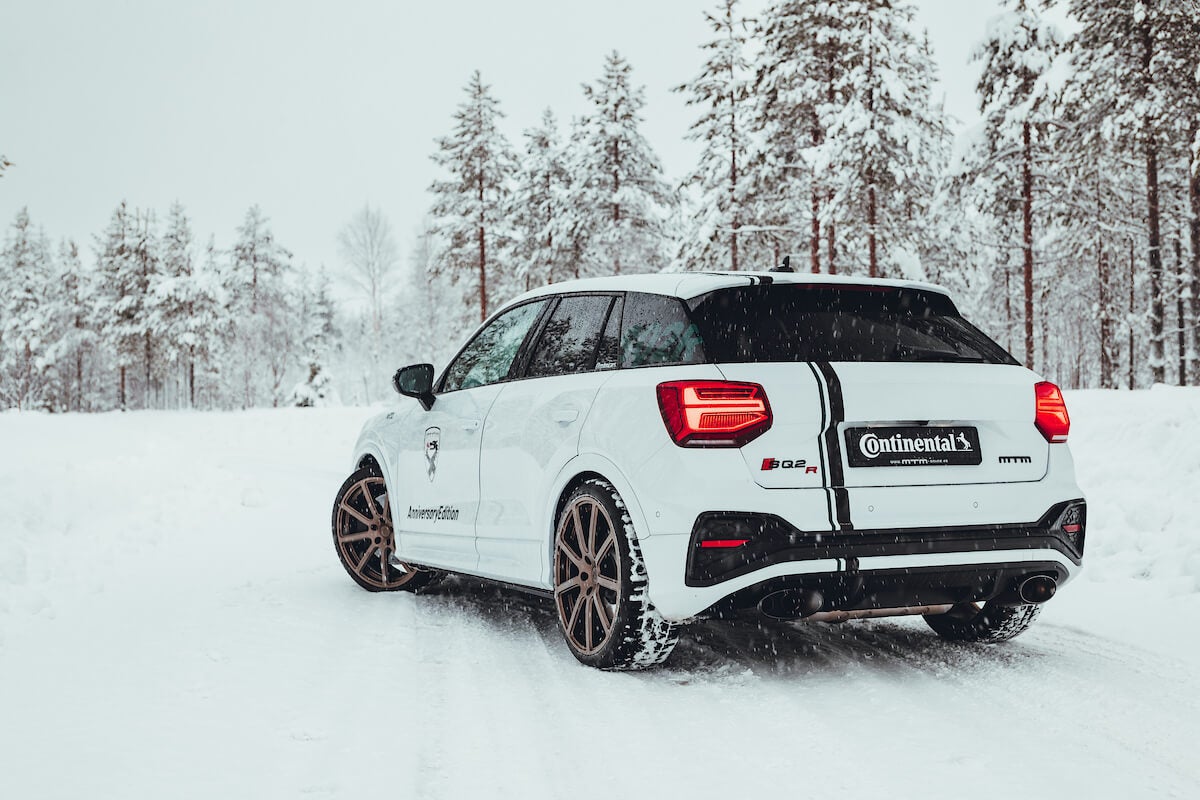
column 1066, row 221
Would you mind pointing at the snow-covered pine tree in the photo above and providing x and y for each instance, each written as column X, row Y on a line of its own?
column 722, row 92
column 26, row 327
column 1126, row 57
column 76, row 345
column 4, row 164
column 1006, row 160
column 470, row 204
column 888, row 142
column 316, row 312
column 799, row 88
column 539, row 210
column 187, row 310
column 622, row 189
column 261, row 302
column 120, row 297
column 144, row 255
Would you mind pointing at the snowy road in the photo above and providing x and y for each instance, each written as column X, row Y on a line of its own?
column 174, row 623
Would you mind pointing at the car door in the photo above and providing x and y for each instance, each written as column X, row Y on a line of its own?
column 438, row 452
column 533, row 430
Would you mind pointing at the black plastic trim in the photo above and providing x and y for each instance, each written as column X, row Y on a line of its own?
column 774, row 540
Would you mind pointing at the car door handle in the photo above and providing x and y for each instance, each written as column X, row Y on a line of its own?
column 470, row 425
column 564, row 416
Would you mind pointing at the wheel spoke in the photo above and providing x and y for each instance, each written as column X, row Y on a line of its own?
column 571, row 584
column 574, row 617
column 577, row 560
column 362, row 561
column 587, row 620
column 369, row 495
column 606, row 582
column 608, row 545
column 346, row 538
column 383, row 564
column 602, row 612
column 592, row 531
column 577, row 527
column 355, row 513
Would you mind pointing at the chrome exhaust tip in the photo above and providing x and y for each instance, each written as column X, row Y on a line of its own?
column 1037, row 589
column 789, row 604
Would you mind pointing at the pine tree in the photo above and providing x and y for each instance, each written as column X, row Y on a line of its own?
column 469, row 205
column 26, row 329
column 539, row 210
column 722, row 91
column 77, row 338
column 800, row 88
column 887, row 143
column 621, row 188
column 1015, row 102
column 121, row 296
column 4, row 164
column 261, row 303
column 316, row 312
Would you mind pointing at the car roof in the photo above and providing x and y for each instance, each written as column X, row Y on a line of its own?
column 687, row 285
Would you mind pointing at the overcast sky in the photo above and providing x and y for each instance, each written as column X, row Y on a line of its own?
column 312, row 109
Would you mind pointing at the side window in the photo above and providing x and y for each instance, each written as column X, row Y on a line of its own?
column 489, row 356
column 609, row 356
column 571, row 338
column 656, row 330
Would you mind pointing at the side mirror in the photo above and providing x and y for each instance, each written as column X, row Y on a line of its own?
column 416, row 381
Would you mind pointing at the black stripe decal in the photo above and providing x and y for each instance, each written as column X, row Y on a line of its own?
column 821, row 446
column 833, row 446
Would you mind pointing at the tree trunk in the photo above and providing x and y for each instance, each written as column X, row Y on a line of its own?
column 872, row 254
column 1194, row 286
column 830, row 243
column 814, row 243
column 483, row 298
column 121, row 389
column 1027, row 235
column 1132, row 277
column 1106, row 361
column 192, row 377
column 1180, row 333
column 733, row 178
column 1153, row 212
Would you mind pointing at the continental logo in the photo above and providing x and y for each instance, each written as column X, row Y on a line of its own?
column 1015, row 459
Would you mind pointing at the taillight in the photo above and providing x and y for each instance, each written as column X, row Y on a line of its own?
column 713, row 413
column 1051, row 418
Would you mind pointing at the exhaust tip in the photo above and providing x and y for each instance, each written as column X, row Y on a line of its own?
column 791, row 604
column 1037, row 589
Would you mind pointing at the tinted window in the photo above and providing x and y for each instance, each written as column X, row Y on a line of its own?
column 609, row 356
column 570, row 339
column 489, row 356
column 656, row 330
column 838, row 323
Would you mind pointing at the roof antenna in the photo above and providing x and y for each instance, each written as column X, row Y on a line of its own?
column 786, row 266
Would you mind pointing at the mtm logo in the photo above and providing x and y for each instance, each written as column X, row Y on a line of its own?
column 775, row 463
column 1015, row 459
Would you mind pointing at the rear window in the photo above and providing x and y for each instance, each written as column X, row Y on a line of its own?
column 838, row 323
column 656, row 331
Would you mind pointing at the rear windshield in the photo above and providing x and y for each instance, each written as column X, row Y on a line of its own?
column 838, row 323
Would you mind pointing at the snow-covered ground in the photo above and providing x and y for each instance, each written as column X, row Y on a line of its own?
column 174, row 624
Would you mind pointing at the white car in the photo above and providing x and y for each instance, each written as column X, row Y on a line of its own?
column 651, row 449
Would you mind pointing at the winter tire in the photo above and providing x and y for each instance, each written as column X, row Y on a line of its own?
column 365, row 539
column 600, row 584
column 991, row 622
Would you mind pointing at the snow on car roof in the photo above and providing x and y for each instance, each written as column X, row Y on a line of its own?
column 691, row 284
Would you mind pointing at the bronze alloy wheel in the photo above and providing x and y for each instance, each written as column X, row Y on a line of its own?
column 362, row 531
column 587, row 572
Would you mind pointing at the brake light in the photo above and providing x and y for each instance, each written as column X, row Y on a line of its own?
column 710, row 543
column 1051, row 417
column 713, row 413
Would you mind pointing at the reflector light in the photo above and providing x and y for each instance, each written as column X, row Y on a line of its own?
column 713, row 413
column 1051, row 416
column 724, row 543
column 1075, row 528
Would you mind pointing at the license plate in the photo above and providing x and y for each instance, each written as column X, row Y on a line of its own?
column 913, row 447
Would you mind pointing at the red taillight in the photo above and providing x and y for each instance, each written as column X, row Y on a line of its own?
column 1051, row 418
column 724, row 542
column 713, row 413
